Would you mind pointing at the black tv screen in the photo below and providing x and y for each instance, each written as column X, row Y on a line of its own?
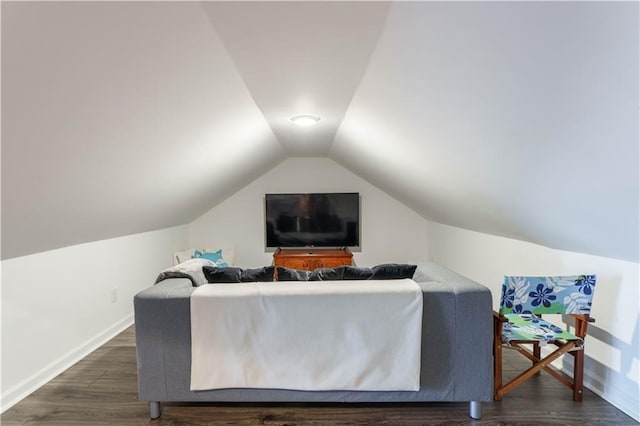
column 312, row 220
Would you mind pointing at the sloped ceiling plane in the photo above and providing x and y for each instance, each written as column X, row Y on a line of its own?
column 517, row 119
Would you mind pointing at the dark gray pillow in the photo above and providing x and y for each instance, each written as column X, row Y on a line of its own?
column 326, row 274
column 356, row 273
column 264, row 274
column 392, row 271
column 222, row 275
column 289, row 274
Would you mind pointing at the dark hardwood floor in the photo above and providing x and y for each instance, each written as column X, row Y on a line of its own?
column 101, row 390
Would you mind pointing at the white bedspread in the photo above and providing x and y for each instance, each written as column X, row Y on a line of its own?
column 328, row 335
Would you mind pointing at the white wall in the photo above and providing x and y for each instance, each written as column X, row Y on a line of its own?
column 56, row 305
column 390, row 231
column 458, row 124
column 139, row 118
column 612, row 364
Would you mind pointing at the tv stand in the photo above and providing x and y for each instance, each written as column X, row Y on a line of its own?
column 312, row 258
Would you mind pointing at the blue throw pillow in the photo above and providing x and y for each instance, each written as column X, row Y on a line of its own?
column 215, row 257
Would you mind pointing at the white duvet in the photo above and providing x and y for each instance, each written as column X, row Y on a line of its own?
column 326, row 335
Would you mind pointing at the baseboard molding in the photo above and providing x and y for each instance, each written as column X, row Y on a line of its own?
column 45, row 375
column 617, row 397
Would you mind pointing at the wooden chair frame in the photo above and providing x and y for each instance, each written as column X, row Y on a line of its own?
column 573, row 347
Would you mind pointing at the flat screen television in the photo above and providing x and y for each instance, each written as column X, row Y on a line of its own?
column 312, row 220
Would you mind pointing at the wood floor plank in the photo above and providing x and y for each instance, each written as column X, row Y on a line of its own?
column 102, row 390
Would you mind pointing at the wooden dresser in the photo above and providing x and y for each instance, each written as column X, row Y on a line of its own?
column 312, row 258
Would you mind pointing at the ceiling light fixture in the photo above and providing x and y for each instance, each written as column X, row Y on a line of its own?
column 305, row 120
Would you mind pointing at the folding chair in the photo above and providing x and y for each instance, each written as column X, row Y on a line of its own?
column 518, row 324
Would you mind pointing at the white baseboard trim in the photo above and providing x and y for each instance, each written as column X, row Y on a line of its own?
column 619, row 398
column 23, row 389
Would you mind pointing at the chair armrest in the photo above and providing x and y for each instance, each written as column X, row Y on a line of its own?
column 499, row 317
column 582, row 321
column 498, row 321
column 581, row 317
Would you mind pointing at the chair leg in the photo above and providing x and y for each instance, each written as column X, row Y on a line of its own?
column 578, row 375
column 502, row 390
column 536, row 354
column 497, row 360
column 497, row 371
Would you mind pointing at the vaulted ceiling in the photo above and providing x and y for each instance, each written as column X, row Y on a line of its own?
column 514, row 119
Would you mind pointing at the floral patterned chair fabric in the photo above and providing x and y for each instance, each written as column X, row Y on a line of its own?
column 524, row 298
column 518, row 323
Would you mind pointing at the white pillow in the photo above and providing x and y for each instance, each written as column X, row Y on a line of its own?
column 228, row 254
column 182, row 256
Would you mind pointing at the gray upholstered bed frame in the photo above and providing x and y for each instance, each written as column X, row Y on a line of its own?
column 456, row 360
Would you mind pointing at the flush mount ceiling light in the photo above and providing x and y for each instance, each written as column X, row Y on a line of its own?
column 305, row 120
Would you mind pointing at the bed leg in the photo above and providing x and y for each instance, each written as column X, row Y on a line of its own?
column 154, row 409
column 475, row 409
